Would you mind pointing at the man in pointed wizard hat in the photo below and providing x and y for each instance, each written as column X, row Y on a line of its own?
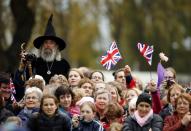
column 47, row 61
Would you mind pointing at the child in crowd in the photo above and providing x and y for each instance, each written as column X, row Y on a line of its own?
column 86, row 120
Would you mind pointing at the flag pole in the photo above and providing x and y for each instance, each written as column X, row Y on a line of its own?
column 150, row 73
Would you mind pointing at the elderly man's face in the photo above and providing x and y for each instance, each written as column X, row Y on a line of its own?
column 49, row 45
column 49, row 50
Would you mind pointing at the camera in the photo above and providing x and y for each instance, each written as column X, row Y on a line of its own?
column 30, row 57
column 188, row 90
column 170, row 83
column 80, row 117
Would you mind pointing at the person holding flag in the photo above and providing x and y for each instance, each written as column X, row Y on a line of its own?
column 7, row 92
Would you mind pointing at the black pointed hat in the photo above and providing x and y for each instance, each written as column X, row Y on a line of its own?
column 49, row 34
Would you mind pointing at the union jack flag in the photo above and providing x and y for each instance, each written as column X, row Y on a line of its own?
column 12, row 87
column 146, row 51
column 111, row 57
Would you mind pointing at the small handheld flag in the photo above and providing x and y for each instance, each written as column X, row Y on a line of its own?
column 146, row 51
column 12, row 87
column 111, row 57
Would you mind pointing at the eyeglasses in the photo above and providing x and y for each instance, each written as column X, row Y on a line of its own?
column 33, row 98
column 96, row 77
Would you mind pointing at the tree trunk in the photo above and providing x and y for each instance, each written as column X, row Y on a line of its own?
column 24, row 19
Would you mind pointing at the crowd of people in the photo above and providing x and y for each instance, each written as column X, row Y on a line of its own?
column 48, row 95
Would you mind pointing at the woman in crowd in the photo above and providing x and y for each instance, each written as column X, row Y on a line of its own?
column 174, row 91
column 167, row 81
column 99, row 85
column 102, row 99
column 181, row 119
column 49, row 119
column 32, row 100
column 74, row 77
column 86, row 121
column 65, row 97
column 114, row 93
column 97, row 76
column 143, row 119
column 87, row 86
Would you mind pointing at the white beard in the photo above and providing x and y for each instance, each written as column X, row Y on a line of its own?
column 50, row 54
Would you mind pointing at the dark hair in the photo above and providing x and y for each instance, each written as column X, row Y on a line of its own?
column 98, row 72
column 117, row 71
column 62, row 90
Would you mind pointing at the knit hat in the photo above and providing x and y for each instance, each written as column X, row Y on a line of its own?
column 85, row 99
column 144, row 97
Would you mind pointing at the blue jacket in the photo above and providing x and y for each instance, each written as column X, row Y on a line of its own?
column 89, row 126
column 25, row 114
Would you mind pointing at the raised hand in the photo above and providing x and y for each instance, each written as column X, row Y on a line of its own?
column 127, row 70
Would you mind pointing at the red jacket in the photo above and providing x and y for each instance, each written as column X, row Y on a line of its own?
column 173, row 123
column 156, row 104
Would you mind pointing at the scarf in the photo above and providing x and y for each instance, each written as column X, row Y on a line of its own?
column 142, row 120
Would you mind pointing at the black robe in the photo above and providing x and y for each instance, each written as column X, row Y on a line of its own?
column 39, row 67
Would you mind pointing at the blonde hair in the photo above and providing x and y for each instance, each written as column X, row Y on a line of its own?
column 78, row 71
column 78, row 94
column 173, row 87
column 58, row 79
column 137, row 91
column 90, row 104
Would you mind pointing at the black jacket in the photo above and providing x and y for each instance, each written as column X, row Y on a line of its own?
column 155, row 123
column 167, row 110
column 40, row 122
column 4, row 114
column 89, row 126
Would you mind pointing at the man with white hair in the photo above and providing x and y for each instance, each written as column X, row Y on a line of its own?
column 47, row 62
